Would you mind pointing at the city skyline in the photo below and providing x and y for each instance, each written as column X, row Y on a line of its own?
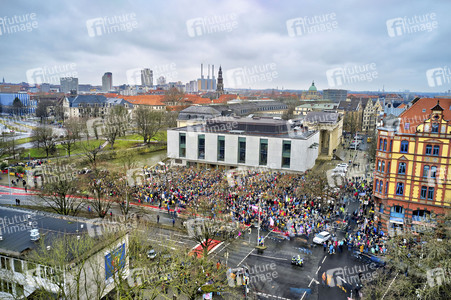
column 259, row 44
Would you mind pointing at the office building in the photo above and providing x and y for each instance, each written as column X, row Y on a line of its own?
column 335, row 95
column 68, row 84
column 22, row 277
column 107, row 82
column 246, row 143
column 147, row 77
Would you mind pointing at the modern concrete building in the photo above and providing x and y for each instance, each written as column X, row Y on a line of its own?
column 21, row 275
column 107, row 82
column 68, row 84
column 147, row 77
column 335, row 95
column 234, row 142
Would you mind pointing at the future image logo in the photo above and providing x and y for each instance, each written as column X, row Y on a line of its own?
column 15, row 24
column 351, row 74
column 135, row 177
column 249, row 75
column 51, row 74
column 409, row 25
column 211, row 24
column 312, row 24
column 438, row 76
column 108, row 25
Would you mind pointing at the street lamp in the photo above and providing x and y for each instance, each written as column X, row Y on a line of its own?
column 9, row 181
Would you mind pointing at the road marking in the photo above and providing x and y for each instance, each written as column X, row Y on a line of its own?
column 304, row 295
column 221, row 249
column 324, row 259
column 270, row 257
column 245, row 257
column 318, row 270
column 270, row 296
column 313, row 280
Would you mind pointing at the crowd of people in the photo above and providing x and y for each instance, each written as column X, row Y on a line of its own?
column 283, row 202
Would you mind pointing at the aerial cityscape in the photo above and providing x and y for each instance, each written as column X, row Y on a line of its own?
column 225, row 150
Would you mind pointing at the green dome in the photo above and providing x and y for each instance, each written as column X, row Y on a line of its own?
column 313, row 88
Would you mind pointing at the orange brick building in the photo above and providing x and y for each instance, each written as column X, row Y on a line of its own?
column 412, row 183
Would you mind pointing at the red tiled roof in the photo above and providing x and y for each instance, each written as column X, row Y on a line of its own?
column 421, row 111
column 143, row 99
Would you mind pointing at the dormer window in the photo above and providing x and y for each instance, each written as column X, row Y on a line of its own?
column 434, row 128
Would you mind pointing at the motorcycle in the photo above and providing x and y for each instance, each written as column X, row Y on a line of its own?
column 297, row 260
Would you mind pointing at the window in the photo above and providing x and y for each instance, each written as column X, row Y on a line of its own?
column 201, row 146
column 404, row 146
column 421, row 215
column 428, row 149
column 221, row 147
column 263, row 160
column 397, row 209
column 433, row 172
column 380, row 144
column 17, row 266
column 182, row 145
column 423, row 192
column 388, row 167
column 381, row 208
column 430, row 193
column 383, row 167
column 400, row 189
column 426, row 171
column 32, row 269
column 241, row 150
column 286, row 154
column 391, row 145
column 385, row 145
column 434, row 128
column 381, row 186
column 379, row 164
column 5, row 263
column 402, row 168
column 436, row 150
column 386, row 188
column 377, row 185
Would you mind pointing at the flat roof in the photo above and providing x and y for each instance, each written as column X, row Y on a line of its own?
column 288, row 135
column 15, row 228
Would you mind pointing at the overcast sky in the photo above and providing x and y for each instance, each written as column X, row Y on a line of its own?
column 260, row 44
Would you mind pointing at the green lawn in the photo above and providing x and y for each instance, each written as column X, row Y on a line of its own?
column 23, row 141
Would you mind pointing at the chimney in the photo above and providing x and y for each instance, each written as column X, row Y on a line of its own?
column 202, row 71
column 213, row 71
column 208, row 71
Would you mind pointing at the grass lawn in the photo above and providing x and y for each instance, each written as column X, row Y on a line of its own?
column 23, row 141
column 160, row 136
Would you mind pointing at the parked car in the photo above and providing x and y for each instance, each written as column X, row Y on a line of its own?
column 321, row 237
column 151, row 254
column 343, row 165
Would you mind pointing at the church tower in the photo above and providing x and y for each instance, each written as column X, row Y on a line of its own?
column 220, row 85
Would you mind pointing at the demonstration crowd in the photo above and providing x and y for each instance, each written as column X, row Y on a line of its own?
column 283, row 201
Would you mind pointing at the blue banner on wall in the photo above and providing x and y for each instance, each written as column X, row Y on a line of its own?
column 114, row 261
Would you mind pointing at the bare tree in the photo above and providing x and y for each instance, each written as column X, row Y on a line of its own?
column 99, row 184
column 44, row 138
column 116, row 123
column 149, row 122
column 73, row 133
column 92, row 152
column 211, row 222
column 60, row 190
column 173, row 96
